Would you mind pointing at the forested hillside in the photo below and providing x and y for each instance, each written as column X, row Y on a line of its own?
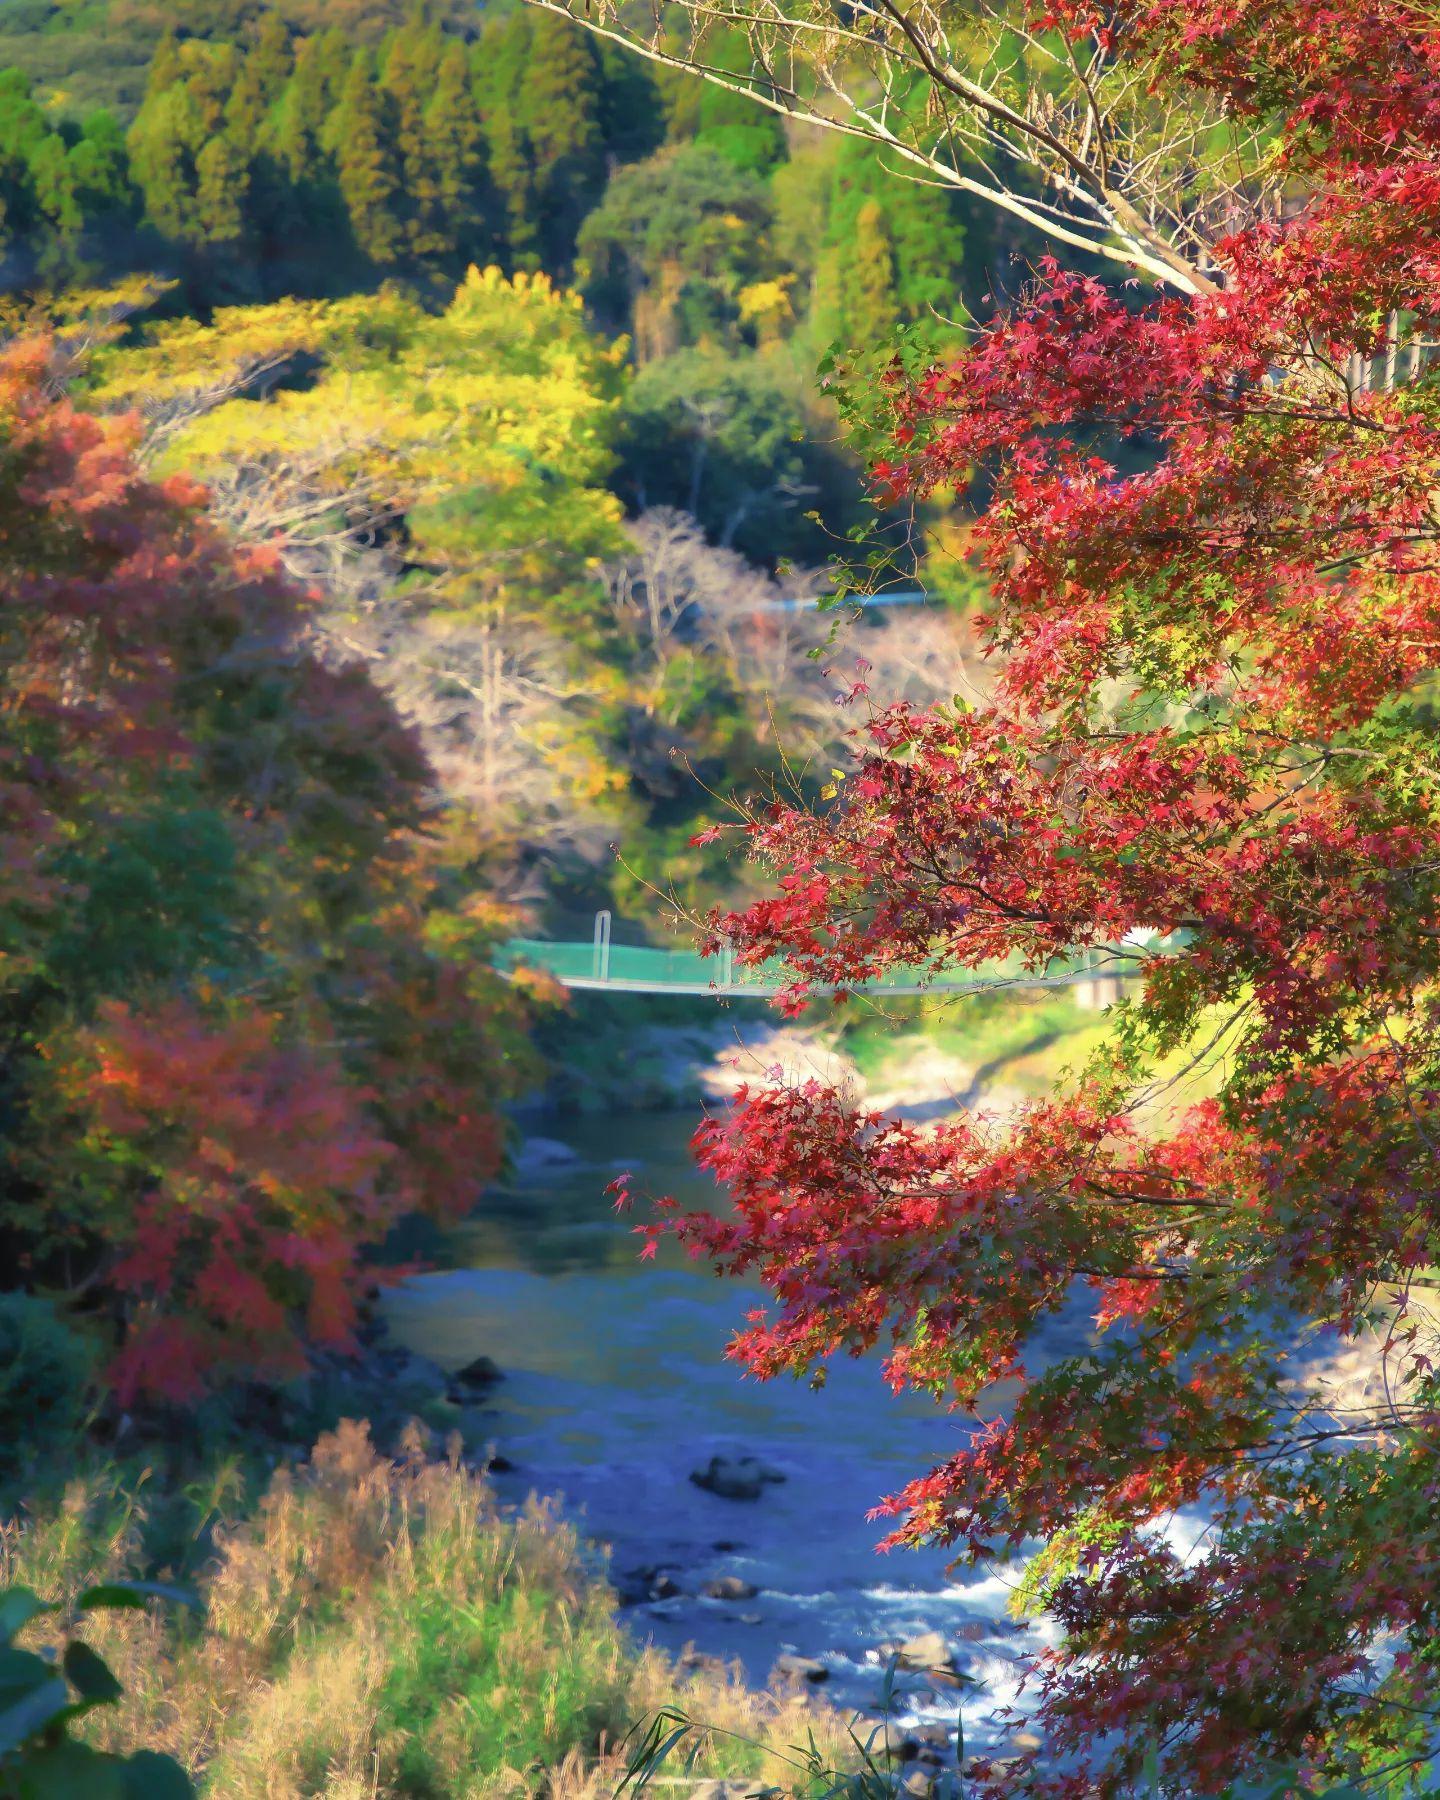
column 412, row 415
column 558, row 507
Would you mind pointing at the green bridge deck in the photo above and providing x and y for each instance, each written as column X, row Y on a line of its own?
column 646, row 969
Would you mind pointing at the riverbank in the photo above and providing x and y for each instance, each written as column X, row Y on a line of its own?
column 385, row 1625
column 920, row 1057
column 373, row 1615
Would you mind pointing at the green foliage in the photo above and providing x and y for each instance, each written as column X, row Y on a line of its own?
column 748, row 135
column 726, row 438
column 541, row 82
column 892, row 253
column 368, row 166
column 63, row 187
column 46, row 1371
column 43, row 1696
column 673, row 246
column 158, row 898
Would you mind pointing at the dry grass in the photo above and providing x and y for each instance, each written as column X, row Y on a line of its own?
column 381, row 1630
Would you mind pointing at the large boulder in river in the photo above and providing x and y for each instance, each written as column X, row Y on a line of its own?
column 729, row 1587
column 790, row 1667
column 735, row 1477
column 480, row 1372
column 929, row 1654
column 542, row 1155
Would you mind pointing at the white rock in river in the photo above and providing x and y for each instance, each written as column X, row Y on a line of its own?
column 930, row 1655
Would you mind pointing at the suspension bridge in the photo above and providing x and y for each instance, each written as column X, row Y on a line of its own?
column 599, row 962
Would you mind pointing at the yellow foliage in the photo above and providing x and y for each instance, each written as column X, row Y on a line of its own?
column 767, row 303
column 506, row 378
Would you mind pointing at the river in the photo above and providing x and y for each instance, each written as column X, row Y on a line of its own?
column 617, row 1388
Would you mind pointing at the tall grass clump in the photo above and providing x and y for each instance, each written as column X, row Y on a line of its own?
column 385, row 1628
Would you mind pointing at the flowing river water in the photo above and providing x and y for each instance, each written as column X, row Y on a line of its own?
column 617, row 1389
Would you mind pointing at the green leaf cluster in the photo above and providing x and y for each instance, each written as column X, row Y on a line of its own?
column 44, row 1693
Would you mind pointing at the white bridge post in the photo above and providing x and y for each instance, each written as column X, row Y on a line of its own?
column 600, row 962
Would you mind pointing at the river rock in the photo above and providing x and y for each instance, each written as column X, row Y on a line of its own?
column 480, row 1372
column 928, row 1654
column 896, row 1743
column 735, row 1477
column 539, row 1155
column 700, row 1662
column 913, row 1743
column 927, row 1650
column 790, row 1667
column 652, row 1582
column 729, row 1587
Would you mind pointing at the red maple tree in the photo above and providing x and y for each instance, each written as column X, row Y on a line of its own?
column 1214, row 721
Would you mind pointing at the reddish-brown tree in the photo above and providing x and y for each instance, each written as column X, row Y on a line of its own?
column 243, row 1032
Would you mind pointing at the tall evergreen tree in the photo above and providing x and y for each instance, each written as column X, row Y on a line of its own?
column 272, row 58
column 409, row 75
column 163, row 143
column 212, row 74
column 222, row 188
column 102, row 168
column 52, row 188
column 247, row 107
column 301, row 118
column 561, row 108
column 332, row 54
column 307, row 231
column 164, row 69
column 871, row 304
column 454, row 133
column 632, row 110
column 882, row 232
column 498, row 64
column 23, row 130
column 368, row 166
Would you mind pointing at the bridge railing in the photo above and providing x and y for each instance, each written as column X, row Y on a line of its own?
column 602, row 962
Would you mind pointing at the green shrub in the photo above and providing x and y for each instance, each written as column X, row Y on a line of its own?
column 46, row 1369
